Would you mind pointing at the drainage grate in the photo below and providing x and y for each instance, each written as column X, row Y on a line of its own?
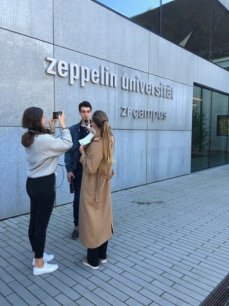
column 219, row 296
column 148, row 202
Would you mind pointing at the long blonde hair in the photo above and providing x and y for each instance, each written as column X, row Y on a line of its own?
column 101, row 120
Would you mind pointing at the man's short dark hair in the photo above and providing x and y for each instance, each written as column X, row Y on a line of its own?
column 85, row 104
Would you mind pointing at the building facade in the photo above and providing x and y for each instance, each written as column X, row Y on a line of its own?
column 54, row 54
column 201, row 27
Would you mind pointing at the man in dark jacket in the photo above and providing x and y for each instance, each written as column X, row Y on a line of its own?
column 71, row 158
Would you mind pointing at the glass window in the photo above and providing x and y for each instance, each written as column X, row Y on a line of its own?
column 210, row 128
column 201, row 112
column 218, row 129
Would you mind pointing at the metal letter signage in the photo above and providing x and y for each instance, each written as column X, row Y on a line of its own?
column 103, row 76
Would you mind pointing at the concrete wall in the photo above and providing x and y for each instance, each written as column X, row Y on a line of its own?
column 85, row 33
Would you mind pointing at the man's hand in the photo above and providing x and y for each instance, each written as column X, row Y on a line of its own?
column 70, row 176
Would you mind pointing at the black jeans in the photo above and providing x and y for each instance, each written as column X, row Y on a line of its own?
column 77, row 182
column 42, row 196
column 94, row 255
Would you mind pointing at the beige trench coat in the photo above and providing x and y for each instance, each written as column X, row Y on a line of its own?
column 95, row 209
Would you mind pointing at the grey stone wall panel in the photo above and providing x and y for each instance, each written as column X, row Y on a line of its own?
column 178, row 109
column 168, row 154
column 129, row 159
column 175, row 63
column 29, row 17
column 13, row 197
column 23, row 79
column 89, row 28
column 211, row 75
column 170, row 61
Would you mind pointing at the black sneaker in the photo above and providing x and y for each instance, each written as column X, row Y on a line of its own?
column 75, row 234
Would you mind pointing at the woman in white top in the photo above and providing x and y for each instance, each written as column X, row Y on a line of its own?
column 42, row 152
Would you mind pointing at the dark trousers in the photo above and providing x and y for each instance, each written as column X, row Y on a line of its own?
column 42, row 196
column 77, row 182
column 94, row 255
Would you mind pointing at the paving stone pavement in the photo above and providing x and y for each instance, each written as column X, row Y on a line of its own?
column 170, row 247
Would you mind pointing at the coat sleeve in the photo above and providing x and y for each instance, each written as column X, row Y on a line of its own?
column 92, row 159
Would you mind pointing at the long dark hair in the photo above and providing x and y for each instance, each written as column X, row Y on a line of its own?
column 32, row 121
column 101, row 120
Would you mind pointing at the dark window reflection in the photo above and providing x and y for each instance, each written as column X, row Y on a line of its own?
column 220, row 35
column 188, row 24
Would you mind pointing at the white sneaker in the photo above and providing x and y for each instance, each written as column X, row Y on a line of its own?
column 103, row 261
column 86, row 263
column 47, row 268
column 46, row 258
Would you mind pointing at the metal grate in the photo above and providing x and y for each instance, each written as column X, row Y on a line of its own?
column 219, row 296
column 148, row 202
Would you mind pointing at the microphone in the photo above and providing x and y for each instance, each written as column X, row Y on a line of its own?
column 86, row 122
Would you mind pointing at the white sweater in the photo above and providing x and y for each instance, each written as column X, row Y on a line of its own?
column 42, row 155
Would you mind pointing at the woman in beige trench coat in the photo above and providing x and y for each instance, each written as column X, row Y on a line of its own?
column 95, row 209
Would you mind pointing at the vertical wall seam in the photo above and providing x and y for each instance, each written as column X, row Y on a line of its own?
column 53, row 36
column 147, row 130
